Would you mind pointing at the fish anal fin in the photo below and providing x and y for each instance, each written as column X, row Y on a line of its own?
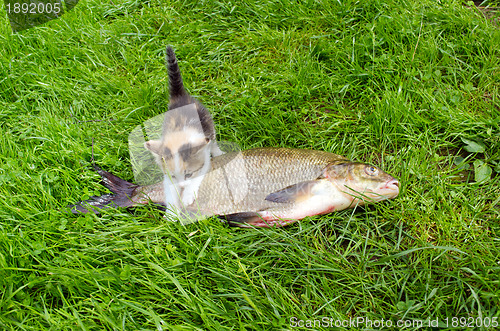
column 240, row 219
column 294, row 193
column 253, row 219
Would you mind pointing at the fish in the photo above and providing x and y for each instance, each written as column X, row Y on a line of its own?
column 263, row 187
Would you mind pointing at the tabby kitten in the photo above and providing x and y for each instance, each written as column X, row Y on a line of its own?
column 187, row 142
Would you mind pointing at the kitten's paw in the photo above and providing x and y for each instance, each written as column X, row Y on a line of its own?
column 215, row 150
column 188, row 198
column 171, row 216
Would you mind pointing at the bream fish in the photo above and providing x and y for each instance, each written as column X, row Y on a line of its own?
column 264, row 187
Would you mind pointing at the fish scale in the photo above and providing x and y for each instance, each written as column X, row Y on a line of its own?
column 240, row 182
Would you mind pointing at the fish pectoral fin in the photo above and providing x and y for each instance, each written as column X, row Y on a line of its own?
column 294, row 193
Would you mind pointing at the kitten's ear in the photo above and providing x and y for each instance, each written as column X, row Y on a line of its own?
column 153, row 145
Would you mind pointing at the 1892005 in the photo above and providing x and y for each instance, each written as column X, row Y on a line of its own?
column 470, row 322
column 33, row 8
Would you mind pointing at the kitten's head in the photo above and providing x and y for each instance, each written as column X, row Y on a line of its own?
column 181, row 154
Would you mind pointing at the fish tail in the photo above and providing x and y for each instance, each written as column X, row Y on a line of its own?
column 121, row 196
column 175, row 83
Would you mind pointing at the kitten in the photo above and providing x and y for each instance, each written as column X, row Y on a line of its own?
column 187, row 142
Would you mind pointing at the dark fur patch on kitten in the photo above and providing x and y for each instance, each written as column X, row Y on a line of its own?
column 179, row 97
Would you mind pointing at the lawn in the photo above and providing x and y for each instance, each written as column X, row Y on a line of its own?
column 412, row 87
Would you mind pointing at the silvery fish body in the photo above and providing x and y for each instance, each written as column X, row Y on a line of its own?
column 240, row 182
column 267, row 186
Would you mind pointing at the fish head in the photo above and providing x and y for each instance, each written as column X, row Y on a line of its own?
column 363, row 182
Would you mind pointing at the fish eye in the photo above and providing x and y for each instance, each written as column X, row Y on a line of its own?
column 371, row 170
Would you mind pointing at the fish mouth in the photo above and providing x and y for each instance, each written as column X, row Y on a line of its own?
column 392, row 186
column 388, row 190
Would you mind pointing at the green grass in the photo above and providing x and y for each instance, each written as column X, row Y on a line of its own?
column 399, row 84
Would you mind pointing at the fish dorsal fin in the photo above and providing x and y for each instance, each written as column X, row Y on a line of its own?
column 294, row 193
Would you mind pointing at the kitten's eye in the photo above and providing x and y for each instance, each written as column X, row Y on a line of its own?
column 188, row 175
column 371, row 170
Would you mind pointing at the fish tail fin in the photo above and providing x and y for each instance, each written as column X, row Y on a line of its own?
column 93, row 205
column 121, row 196
column 115, row 184
column 175, row 83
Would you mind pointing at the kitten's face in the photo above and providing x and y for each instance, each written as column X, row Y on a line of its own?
column 180, row 154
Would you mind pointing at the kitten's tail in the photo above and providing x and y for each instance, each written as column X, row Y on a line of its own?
column 174, row 75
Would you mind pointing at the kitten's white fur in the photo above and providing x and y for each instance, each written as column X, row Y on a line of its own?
column 171, row 198
column 181, row 191
column 191, row 186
